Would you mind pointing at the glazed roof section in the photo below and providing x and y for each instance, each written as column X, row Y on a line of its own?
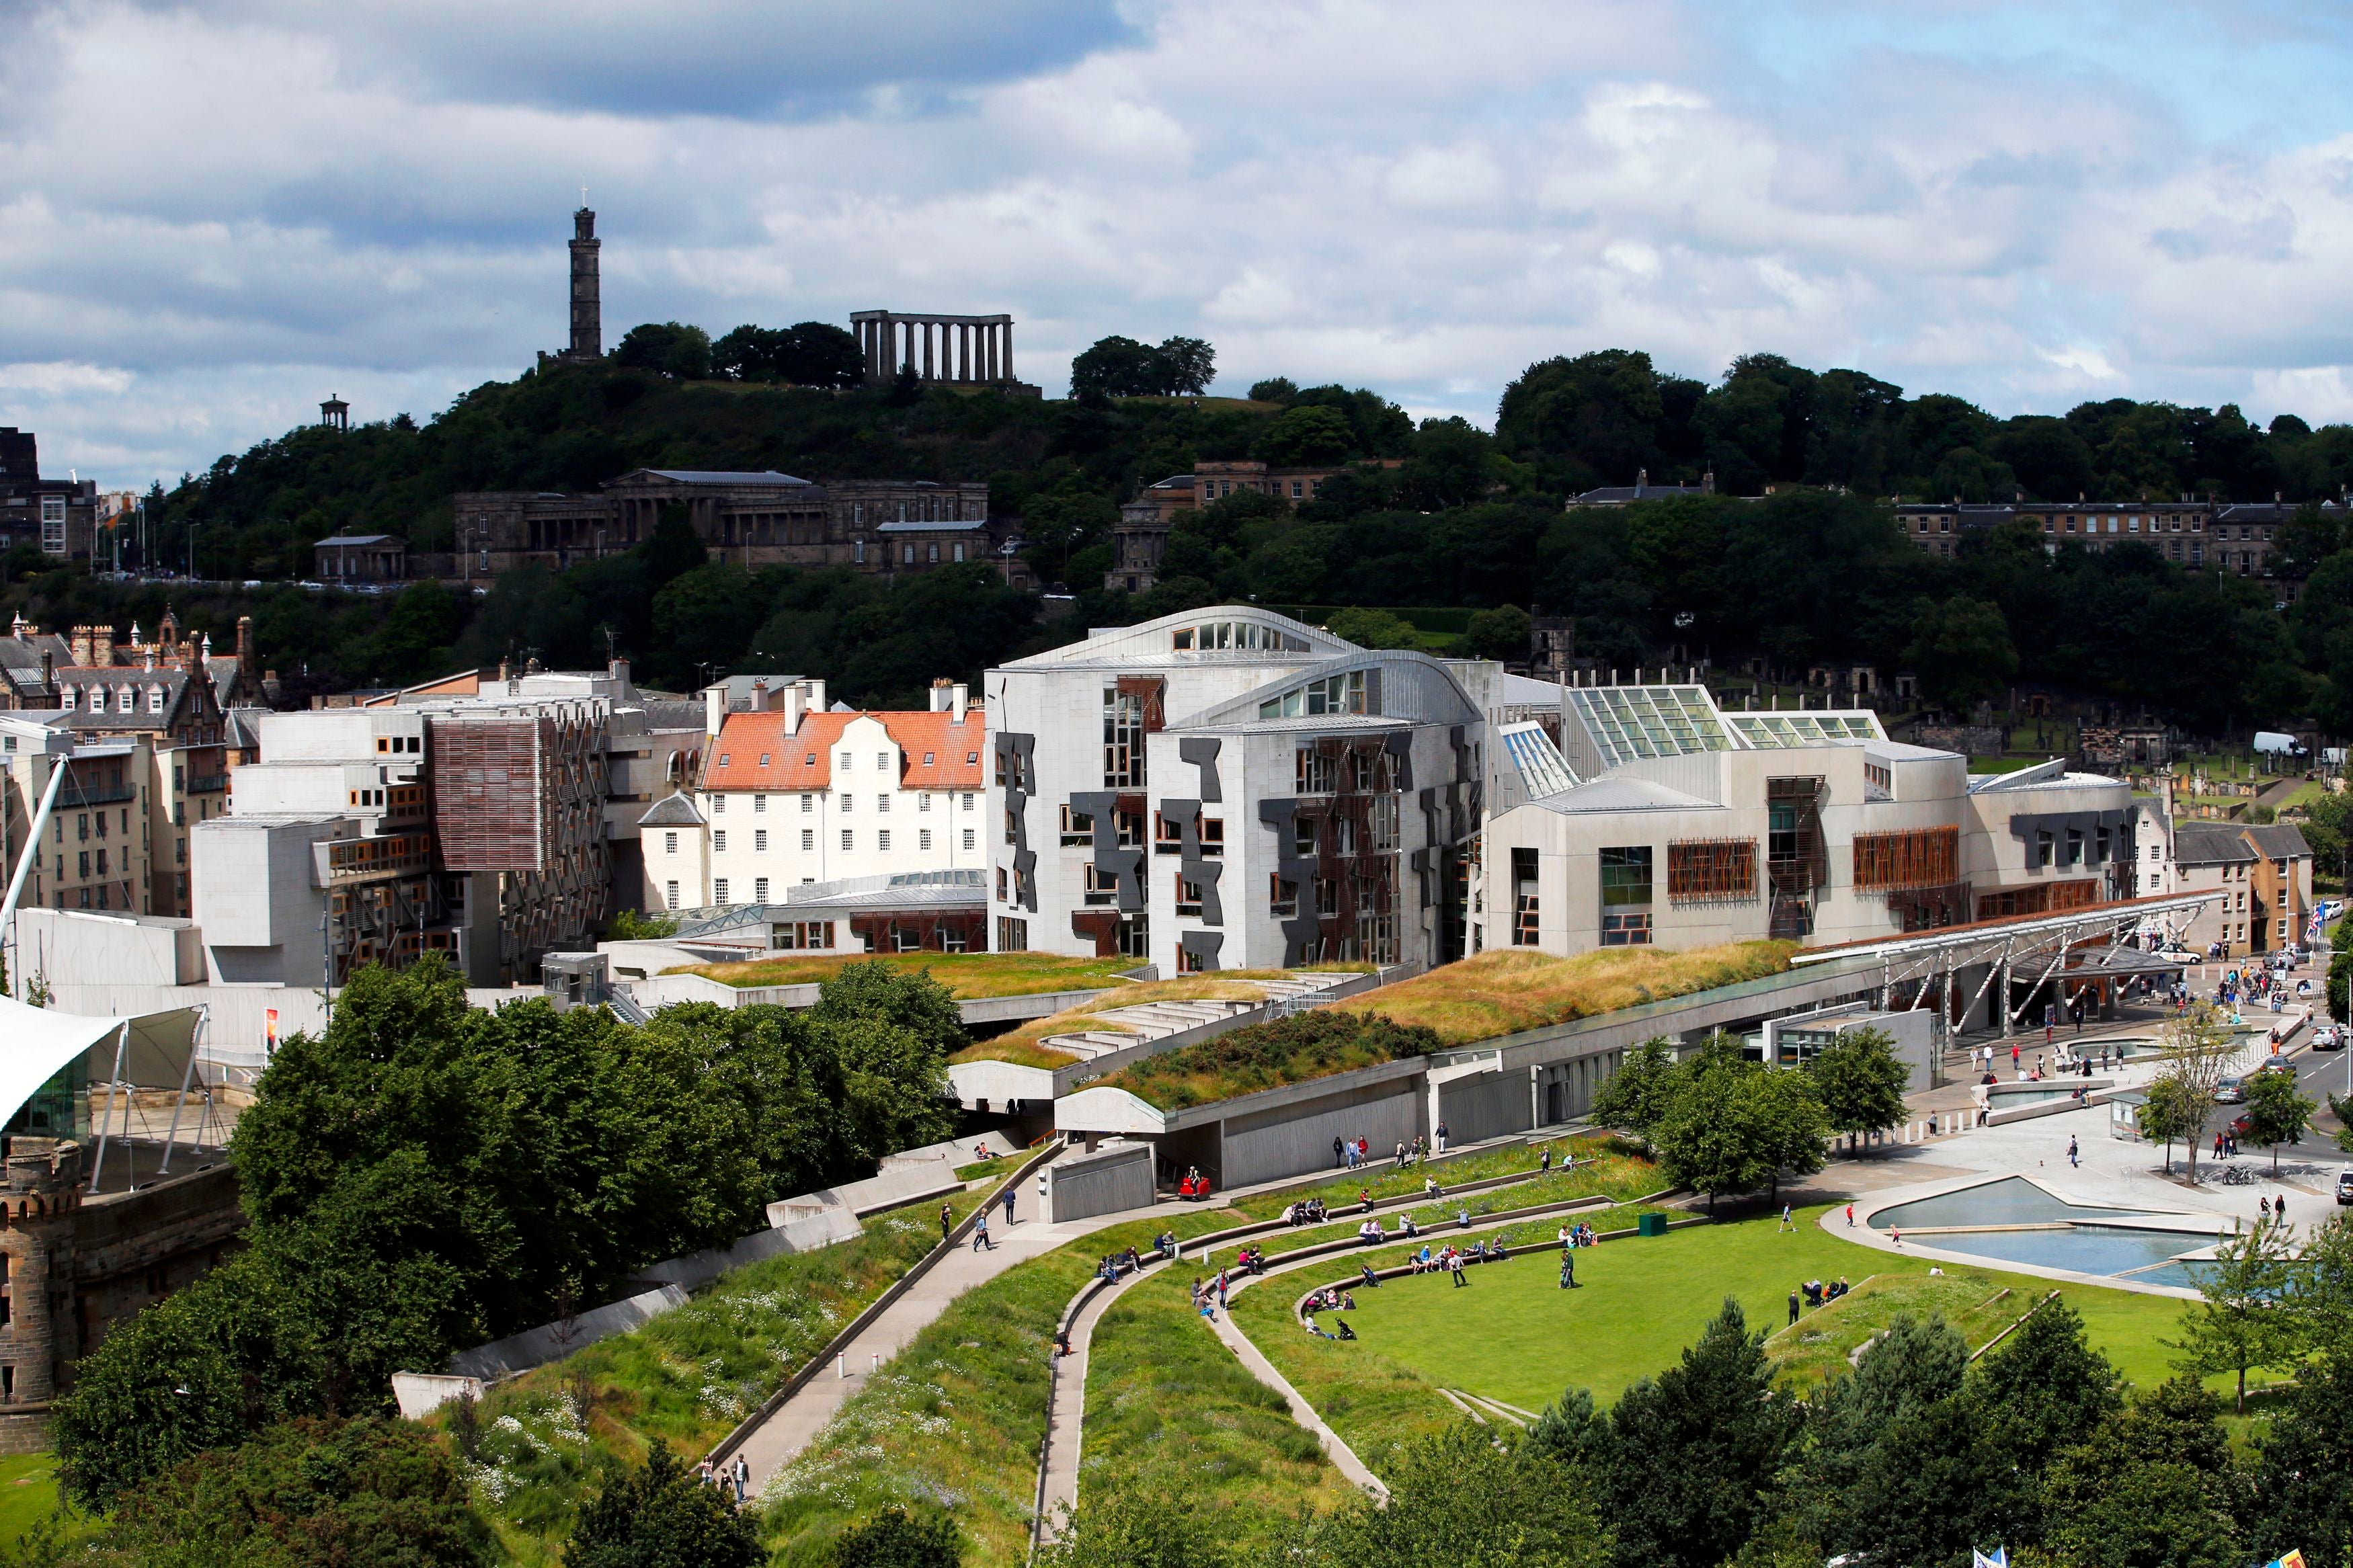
column 755, row 752
column 1221, row 634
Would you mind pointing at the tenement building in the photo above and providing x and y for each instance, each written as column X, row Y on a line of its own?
column 61, row 516
column 753, row 518
column 794, row 795
column 1667, row 819
column 1231, row 788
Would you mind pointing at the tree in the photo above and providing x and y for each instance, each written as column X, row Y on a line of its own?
column 1373, row 628
column 2195, row 1051
column 658, row 1516
column 2044, row 1388
column 1731, row 1126
column 1962, row 651
column 1636, row 1098
column 308, row 1494
column 897, row 1539
column 1458, row 1497
column 1861, row 1081
column 2155, row 1486
column 1136, row 1527
column 2242, row 1322
column 2277, row 1113
column 1187, row 366
column 1502, row 633
column 2299, row 1498
column 1273, row 389
column 2171, row 1111
column 896, row 997
column 1696, row 1453
column 679, row 352
column 1304, row 438
column 813, row 353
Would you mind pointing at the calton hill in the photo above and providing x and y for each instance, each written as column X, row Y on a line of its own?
column 1433, row 533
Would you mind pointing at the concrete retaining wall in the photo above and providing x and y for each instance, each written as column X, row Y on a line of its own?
column 1290, row 1140
column 553, row 1342
column 1114, row 1178
column 1487, row 1105
column 829, row 1227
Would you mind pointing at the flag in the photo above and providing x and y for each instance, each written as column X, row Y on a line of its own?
column 1999, row 1558
column 268, row 1033
column 2293, row 1560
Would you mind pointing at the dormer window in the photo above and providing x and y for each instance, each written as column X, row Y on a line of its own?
column 98, row 698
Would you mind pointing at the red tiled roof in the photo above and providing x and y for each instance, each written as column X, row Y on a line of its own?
column 805, row 760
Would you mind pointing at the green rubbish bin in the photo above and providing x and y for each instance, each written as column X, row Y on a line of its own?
column 1650, row 1224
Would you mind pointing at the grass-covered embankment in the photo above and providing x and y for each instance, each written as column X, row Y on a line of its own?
column 957, row 1417
column 549, row 1439
column 1267, row 1056
column 1169, row 1407
column 965, row 974
column 1024, row 1045
column 1507, row 990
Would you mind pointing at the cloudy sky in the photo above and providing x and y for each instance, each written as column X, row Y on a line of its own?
column 212, row 217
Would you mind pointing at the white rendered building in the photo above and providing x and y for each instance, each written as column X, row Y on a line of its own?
column 1231, row 788
column 1666, row 819
column 791, row 794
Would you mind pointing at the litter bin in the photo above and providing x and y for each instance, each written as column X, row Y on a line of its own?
column 1650, row 1224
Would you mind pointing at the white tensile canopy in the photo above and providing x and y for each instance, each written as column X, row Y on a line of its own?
column 153, row 1050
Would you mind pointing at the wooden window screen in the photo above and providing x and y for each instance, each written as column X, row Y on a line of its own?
column 1711, row 871
column 1923, row 858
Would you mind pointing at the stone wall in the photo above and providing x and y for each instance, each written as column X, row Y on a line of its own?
column 75, row 1266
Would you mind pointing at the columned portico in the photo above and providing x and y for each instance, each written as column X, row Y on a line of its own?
column 960, row 351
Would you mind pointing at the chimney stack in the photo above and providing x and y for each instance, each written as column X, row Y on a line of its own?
column 796, row 698
column 960, row 701
column 49, row 673
column 714, row 710
column 248, row 663
column 939, row 697
column 817, row 696
column 619, row 670
column 759, row 697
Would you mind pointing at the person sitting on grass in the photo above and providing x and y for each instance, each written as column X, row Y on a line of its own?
column 1314, row 1329
column 1347, row 1301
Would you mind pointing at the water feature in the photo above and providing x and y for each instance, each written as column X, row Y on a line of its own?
column 2085, row 1238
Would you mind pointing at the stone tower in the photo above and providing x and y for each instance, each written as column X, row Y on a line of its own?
column 37, row 1249
column 587, row 307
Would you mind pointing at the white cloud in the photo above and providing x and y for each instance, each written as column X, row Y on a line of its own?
column 208, row 219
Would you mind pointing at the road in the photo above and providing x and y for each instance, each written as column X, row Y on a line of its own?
column 2320, row 1073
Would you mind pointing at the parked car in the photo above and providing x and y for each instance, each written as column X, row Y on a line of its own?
column 2230, row 1092
column 2344, row 1188
column 2276, row 1063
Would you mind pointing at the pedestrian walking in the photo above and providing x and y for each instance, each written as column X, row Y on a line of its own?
column 2013, row 1060
column 1008, row 1206
column 2071, row 1154
column 742, row 1476
column 1786, row 1223
column 1545, row 1164
column 946, row 1223
column 1441, row 1137
column 980, row 1236
column 1455, row 1263
column 1339, row 1153
column 1793, row 1306
column 1850, row 1216
column 1568, row 1270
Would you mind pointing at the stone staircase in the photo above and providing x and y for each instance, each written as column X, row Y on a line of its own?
column 1152, row 1021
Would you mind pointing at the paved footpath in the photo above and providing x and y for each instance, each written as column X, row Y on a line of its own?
column 778, row 1440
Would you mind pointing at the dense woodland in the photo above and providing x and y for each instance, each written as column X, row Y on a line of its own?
column 1438, row 514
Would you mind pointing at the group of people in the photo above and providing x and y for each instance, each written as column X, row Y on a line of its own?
column 1576, row 1236
column 1347, row 1153
column 1813, row 1293
column 1451, row 1258
column 1306, row 1211
column 733, row 1479
column 1115, row 1264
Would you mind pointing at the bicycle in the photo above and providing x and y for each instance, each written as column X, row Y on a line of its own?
column 2235, row 1176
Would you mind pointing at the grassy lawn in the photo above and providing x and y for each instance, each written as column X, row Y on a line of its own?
column 957, row 1417
column 1024, row 1045
column 28, row 1494
column 1507, row 990
column 687, row 1377
column 965, row 974
column 1517, row 1337
column 1612, row 1172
